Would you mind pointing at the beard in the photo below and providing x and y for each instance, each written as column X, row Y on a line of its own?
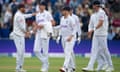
column 23, row 10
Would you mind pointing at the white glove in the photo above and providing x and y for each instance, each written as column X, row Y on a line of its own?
column 58, row 40
column 79, row 40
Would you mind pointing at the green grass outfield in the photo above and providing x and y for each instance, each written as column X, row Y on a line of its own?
column 7, row 64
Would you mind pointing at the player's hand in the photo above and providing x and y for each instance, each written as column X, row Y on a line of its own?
column 79, row 40
column 58, row 40
column 33, row 14
column 27, row 35
column 90, row 33
column 40, row 26
column 70, row 38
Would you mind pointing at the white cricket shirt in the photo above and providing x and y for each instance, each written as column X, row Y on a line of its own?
column 19, row 25
column 100, row 15
column 67, row 26
column 44, row 19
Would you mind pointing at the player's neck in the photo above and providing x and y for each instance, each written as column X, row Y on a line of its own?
column 66, row 15
column 97, row 9
column 41, row 11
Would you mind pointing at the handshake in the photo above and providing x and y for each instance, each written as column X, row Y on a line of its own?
column 27, row 34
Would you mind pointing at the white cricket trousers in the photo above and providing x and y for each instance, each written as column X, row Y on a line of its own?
column 99, row 48
column 20, row 46
column 68, row 47
column 41, row 47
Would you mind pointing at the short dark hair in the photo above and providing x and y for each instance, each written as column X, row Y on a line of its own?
column 43, row 3
column 21, row 6
column 66, row 8
column 96, row 2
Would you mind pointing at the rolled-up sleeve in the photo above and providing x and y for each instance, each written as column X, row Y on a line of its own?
column 101, row 15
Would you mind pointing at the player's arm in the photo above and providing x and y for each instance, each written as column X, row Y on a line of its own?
column 74, row 27
column 22, row 26
column 78, row 30
column 40, row 26
column 100, row 23
column 79, row 27
column 59, row 29
column 37, row 24
column 34, row 30
column 101, row 19
column 50, row 18
column 90, row 27
column 53, row 22
column 20, row 22
column 29, row 15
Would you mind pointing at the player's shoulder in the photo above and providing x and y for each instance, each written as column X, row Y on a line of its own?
column 70, row 18
column 37, row 14
column 62, row 17
column 18, row 14
column 92, row 15
column 101, row 11
column 47, row 12
column 74, row 15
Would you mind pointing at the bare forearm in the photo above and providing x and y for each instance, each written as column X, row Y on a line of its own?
column 99, row 24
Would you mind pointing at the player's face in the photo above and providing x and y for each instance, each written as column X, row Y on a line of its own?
column 95, row 7
column 42, row 7
column 71, row 11
column 67, row 12
column 22, row 10
column 63, row 12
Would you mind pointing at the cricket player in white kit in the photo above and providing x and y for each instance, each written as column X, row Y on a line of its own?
column 19, row 33
column 68, row 35
column 99, row 25
column 44, row 21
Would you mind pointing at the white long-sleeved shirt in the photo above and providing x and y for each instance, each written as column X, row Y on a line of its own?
column 67, row 27
column 19, row 25
column 44, row 19
column 77, row 22
column 91, row 22
column 95, row 18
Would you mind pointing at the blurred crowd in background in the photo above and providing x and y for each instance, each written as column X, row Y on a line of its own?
column 82, row 8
